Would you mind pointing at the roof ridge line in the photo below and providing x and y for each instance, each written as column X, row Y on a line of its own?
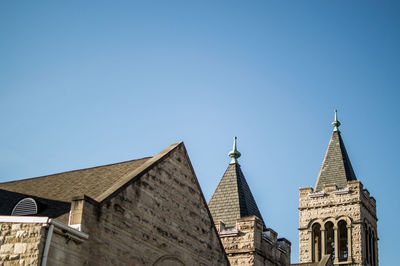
column 76, row 170
column 136, row 172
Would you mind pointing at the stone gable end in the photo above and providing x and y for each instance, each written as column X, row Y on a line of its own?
column 159, row 214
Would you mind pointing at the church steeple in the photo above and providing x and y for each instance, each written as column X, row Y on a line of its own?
column 233, row 199
column 337, row 218
column 336, row 167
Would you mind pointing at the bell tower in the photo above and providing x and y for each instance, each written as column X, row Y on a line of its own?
column 338, row 215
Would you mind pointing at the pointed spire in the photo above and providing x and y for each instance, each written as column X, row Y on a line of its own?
column 336, row 167
column 233, row 198
column 234, row 154
column 336, row 123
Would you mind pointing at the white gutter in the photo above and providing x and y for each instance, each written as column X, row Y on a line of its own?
column 47, row 245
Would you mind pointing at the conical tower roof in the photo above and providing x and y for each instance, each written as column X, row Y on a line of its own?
column 336, row 167
column 233, row 199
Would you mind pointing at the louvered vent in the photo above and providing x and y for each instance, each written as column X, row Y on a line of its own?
column 25, row 206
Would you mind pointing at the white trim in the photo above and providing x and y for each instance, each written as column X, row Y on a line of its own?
column 76, row 226
column 24, row 219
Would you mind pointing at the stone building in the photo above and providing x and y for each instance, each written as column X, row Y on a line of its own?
column 246, row 239
column 149, row 211
column 338, row 216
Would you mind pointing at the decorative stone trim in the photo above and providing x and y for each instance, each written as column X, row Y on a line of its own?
column 317, row 194
column 342, row 191
column 227, row 231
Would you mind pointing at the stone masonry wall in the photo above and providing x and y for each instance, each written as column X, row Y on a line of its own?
column 66, row 251
column 248, row 246
column 159, row 217
column 368, row 216
column 333, row 206
column 21, row 244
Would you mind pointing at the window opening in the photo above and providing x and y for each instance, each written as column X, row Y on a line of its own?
column 316, row 238
column 330, row 240
column 343, row 241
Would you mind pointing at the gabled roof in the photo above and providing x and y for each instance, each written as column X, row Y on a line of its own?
column 336, row 167
column 64, row 186
column 55, row 192
column 233, row 199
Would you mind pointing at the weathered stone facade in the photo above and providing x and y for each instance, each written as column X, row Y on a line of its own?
column 249, row 244
column 161, row 216
column 21, row 243
column 24, row 239
column 353, row 206
column 155, row 215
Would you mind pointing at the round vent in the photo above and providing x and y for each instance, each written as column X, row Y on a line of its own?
column 25, row 206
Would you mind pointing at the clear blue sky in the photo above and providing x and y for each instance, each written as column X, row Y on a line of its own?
column 86, row 83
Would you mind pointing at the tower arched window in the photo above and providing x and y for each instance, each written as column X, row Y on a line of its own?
column 373, row 249
column 343, row 245
column 370, row 245
column 316, row 242
column 366, row 243
column 330, row 240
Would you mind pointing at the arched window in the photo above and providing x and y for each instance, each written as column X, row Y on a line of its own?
column 330, row 240
column 373, row 249
column 370, row 245
column 26, row 206
column 316, row 242
column 343, row 241
column 366, row 243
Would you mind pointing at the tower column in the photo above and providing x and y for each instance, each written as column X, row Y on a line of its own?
column 349, row 244
column 323, row 241
column 336, row 234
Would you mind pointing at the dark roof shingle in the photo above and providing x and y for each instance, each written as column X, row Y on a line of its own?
column 336, row 167
column 64, row 186
column 233, row 199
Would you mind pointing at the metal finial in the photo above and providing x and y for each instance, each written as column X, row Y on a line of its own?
column 336, row 123
column 234, row 154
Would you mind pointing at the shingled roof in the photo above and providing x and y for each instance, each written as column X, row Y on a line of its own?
column 336, row 167
column 53, row 193
column 64, row 186
column 233, row 199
